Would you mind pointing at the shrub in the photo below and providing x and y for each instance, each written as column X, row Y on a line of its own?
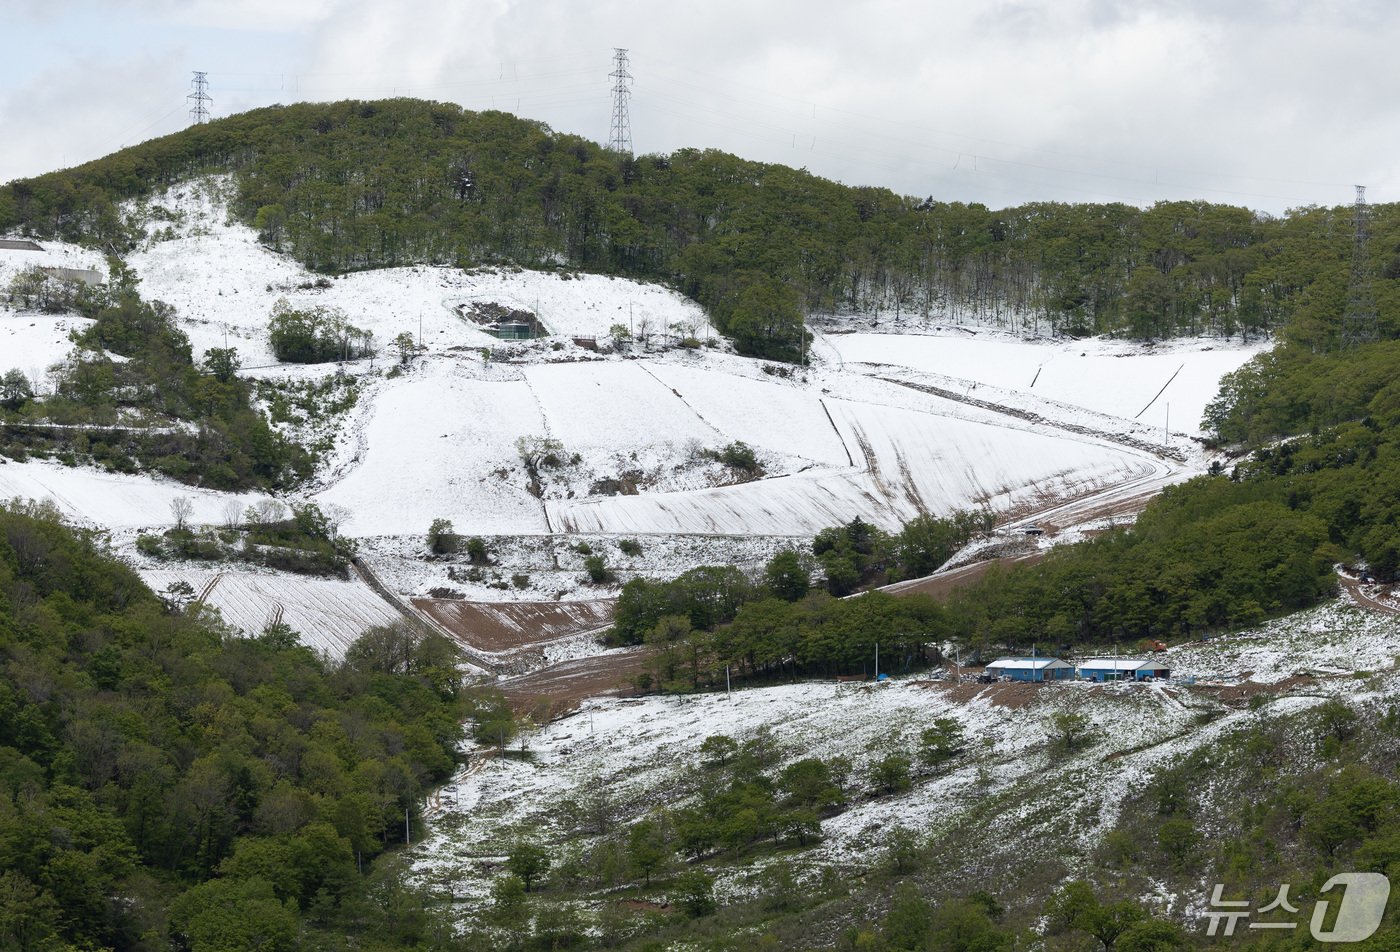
column 598, row 571
column 630, row 546
column 891, row 774
column 476, row 551
column 316, row 335
column 441, row 539
column 150, row 545
column 695, row 893
column 739, row 455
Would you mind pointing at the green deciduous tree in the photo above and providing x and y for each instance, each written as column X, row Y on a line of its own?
column 528, row 861
column 647, row 848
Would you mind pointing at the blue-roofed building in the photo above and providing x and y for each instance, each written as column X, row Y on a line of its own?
column 1031, row 669
column 1122, row 669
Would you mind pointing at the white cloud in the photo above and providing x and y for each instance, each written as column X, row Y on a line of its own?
column 1264, row 103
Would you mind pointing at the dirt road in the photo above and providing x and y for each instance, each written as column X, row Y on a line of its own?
column 1382, row 601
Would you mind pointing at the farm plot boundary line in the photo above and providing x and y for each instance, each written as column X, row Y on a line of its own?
column 1142, row 446
column 367, row 575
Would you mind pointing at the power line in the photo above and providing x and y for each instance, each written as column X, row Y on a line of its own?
column 904, row 124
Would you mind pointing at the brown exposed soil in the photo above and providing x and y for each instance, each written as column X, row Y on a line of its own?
column 943, row 584
column 506, row 626
column 554, row 691
column 1009, row 694
column 1239, row 694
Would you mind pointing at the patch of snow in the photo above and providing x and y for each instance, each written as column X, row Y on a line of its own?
column 114, row 500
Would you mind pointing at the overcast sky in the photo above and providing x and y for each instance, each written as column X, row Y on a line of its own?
column 1266, row 104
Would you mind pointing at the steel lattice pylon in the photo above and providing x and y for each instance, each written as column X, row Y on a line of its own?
column 620, row 134
column 1359, row 320
column 199, row 111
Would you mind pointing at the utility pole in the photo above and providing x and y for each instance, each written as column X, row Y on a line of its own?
column 620, row 132
column 1359, row 320
column 199, row 111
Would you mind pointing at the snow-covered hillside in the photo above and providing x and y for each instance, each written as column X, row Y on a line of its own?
column 879, row 426
column 99, row 499
column 224, row 283
column 30, row 341
column 329, row 614
column 642, row 750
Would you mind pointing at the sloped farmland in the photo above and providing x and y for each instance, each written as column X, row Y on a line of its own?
column 329, row 614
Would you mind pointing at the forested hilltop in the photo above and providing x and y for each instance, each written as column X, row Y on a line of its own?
column 354, row 185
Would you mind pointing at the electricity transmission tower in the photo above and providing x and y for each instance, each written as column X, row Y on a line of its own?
column 199, row 111
column 1359, row 321
column 620, row 135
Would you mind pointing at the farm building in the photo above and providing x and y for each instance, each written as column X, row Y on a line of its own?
column 1031, row 669
column 87, row 276
column 1122, row 669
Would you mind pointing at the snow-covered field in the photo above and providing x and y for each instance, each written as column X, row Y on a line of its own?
column 436, row 443
column 329, row 614
column 554, row 564
column 114, row 500
column 31, row 343
column 1168, row 384
column 905, row 462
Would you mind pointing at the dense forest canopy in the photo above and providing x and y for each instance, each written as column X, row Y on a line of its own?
column 166, row 783
column 352, row 185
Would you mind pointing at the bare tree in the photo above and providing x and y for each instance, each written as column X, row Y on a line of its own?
column 336, row 516
column 264, row 511
column 232, row 513
column 182, row 507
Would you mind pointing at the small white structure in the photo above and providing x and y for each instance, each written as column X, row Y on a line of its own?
column 1031, row 669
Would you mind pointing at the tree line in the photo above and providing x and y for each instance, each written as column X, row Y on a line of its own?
column 1221, row 551
column 353, row 185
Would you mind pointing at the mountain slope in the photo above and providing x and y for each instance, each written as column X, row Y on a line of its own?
column 352, row 185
